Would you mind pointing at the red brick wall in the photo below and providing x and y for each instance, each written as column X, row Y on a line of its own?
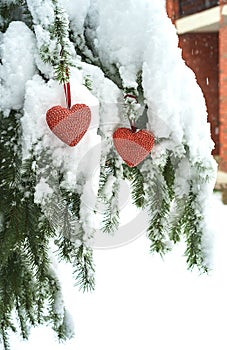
column 200, row 52
column 172, row 8
column 223, row 96
column 187, row 7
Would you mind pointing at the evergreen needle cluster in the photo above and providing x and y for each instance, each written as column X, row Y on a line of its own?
column 58, row 57
column 137, row 180
column 108, row 193
column 172, row 217
column 28, row 286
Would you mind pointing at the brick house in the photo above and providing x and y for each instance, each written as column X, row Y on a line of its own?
column 202, row 30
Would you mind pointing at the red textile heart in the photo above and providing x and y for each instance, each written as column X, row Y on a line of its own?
column 69, row 125
column 133, row 147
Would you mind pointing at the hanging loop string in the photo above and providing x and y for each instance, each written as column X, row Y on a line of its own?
column 132, row 122
column 131, row 96
column 67, row 91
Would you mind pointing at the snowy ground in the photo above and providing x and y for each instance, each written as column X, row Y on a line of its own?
column 142, row 302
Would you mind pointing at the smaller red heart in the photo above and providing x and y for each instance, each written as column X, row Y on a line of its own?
column 69, row 125
column 133, row 147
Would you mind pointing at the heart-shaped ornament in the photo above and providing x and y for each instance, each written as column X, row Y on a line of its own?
column 133, row 147
column 69, row 125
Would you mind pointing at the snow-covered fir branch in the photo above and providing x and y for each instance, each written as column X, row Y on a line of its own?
column 48, row 189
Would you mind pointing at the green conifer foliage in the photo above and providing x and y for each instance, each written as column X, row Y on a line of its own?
column 28, row 286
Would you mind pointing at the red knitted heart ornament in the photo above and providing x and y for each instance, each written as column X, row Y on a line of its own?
column 133, row 147
column 69, row 125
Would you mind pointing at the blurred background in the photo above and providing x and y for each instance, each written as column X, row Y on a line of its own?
column 202, row 29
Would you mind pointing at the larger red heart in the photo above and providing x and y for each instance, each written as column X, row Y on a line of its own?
column 69, row 125
column 133, row 147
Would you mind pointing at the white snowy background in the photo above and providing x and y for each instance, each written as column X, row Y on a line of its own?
column 144, row 302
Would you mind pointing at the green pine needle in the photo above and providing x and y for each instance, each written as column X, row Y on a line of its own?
column 110, row 220
column 109, row 171
column 59, row 57
column 84, row 268
column 158, row 228
column 169, row 176
column 191, row 227
column 137, row 184
column 26, row 282
column 158, row 205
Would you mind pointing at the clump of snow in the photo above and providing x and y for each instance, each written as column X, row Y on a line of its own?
column 87, row 214
column 183, row 173
column 42, row 190
column 108, row 95
column 42, row 11
column 43, row 39
column 69, row 324
column 77, row 12
column 17, row 53
column 39, row 97
column 123, row 36
column 177, row 108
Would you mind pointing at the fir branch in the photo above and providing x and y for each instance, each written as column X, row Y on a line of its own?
column 62, row 207
column 80, row 257
column 84, row 268
column 5, row 336
column 25, row 236
column 56, row 307
column 169, row 176
column 191, row 221
column 88, row 82
column 81, row 260
column 60, row 31
column 22, row 319
column 65, row 330
column 62, row 212
column 177, row 204
column 6, row 307
column 58, row 54
column 110, row 220
column 105, row 171
column 66, row 248
column 13, row 278
column 108, row 175
column 176, row 223
column 137, row 180
column 157, row 230
column 73, row 200
column 158, row 204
